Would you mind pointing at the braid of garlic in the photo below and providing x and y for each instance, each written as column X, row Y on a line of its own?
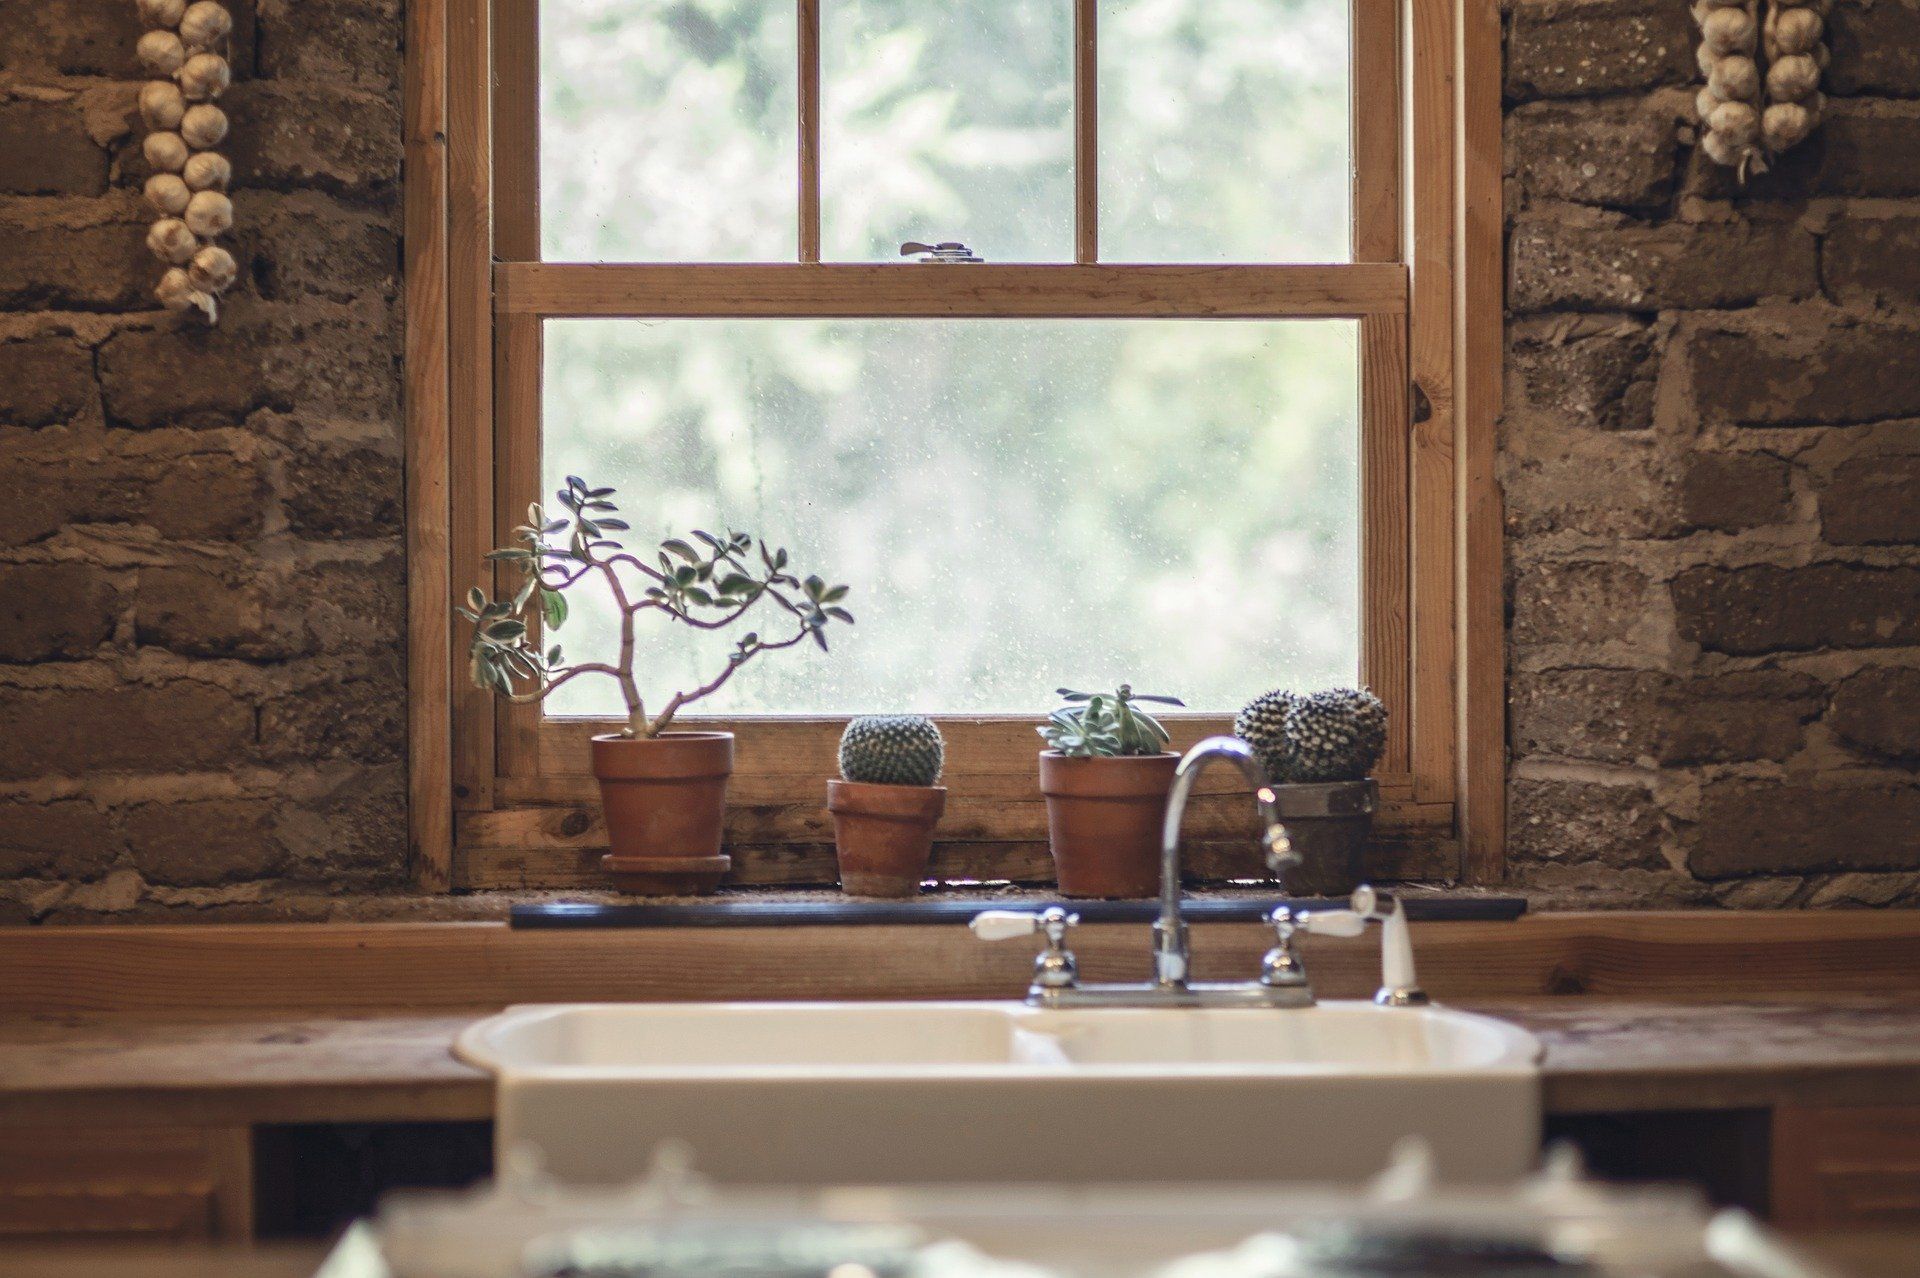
column 1730, row 103
column 184, row 49
column 1796, row 57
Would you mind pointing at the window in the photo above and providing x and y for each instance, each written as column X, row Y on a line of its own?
column 1189, row 422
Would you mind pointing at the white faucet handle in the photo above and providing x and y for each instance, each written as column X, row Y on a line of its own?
column 1004, row 925
column 1332, row 922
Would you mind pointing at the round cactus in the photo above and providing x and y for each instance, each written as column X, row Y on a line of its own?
column 1336, row 735
column 892, row 749
column 1262, row 724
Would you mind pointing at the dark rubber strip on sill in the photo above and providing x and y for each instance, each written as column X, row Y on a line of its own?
column 957, row 910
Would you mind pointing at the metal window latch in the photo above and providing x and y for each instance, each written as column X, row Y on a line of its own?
column 947, row 251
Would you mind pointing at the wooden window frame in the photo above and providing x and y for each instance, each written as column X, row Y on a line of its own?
column 501, row 797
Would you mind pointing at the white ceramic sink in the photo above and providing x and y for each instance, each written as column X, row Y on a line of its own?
column 845, row 1093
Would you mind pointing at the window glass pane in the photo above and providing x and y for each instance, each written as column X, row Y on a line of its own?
column 1017, row 504
column 1224, row 131
column 668, row 130
column 948, row 121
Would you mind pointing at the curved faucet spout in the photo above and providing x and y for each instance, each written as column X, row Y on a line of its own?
column 1170, row 952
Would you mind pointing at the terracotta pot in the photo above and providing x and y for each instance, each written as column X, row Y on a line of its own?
column 883, row 835
column 1103, row 821
column 665, row 798
column 1330, row 825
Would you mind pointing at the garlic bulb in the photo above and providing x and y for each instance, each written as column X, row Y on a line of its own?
column 166, row 152
column 175, row 290
column 1785, row 124
column 171, row 241
column 1737, row 122
column 162, row 52
column 208, row 171
column 1794, row 30
column 213, row 269
column 204, row 76
column 209, row 213
column 1730, row 30
column 204, row 24
column 203, row 125
column 161, row 106
column 1792, row 78
column 162, row 13
column 167, row 194
column 1733, row 79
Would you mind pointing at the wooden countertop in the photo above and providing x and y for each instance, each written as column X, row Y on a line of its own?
column 1602, row 1055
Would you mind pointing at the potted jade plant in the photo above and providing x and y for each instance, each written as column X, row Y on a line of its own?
column 1106, row 776
column 887, row 803
column 664, row 792
column 1317, row 749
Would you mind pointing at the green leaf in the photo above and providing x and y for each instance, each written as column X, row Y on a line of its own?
column 734, row 583
column 618, row 525
column 577, row 484
column 506, row 630
column 841, row 614
column 699, row 596
column 553, row 655
column 680, row 548
column 476, row 599
column 835, row 595
column 553, row 605
column 814, row 587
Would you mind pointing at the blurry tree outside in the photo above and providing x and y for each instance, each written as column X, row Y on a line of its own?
column 1018, row 504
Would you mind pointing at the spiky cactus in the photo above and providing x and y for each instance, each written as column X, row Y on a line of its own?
column 892, row 749
column 1336, row 735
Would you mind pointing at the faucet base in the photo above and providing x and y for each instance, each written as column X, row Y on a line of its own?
column 1149, row 995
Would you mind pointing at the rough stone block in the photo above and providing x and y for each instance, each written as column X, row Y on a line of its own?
column 1878, row 712
column 173, row 727
column 53, row 611
column 45, row 150
column 359, row 716
column 1567, row 822
column 1579, row 48
column 44, row 380
column 352, row 607
column 351, row 492
column 1816, row 375
column 1611, row 716
column 199, row 844
column 1615, row 154
column 1872, row 501
column 1554, row 264
column 332, row 138
column 71, row 37
column 92, row 268
column 1873, row 258
column 190, row 375
column 203, row 496
column 1584, row 373
column 66, row 839
column 1875, row 46
column 1549, row 487
column 307, row 244
column 1731, row 491
column 1582, row 602
column 1771, row 827
column 199, row 612
column 347, row 42
column 1738, row 717
column 1764, row 608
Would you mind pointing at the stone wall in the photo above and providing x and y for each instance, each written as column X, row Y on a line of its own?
column 1711, row 455
column 201, row 570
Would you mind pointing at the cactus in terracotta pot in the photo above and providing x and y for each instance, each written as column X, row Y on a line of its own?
column 1317, row 749
column 1106, row 777
column 886, row 804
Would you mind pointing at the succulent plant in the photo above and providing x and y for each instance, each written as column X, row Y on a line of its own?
column 708, row 586
column 1103, row 725
column 892, row 749
column 1336, row 735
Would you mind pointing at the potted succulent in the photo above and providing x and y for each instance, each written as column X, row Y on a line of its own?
column 887, row 803
column 1317, row 749
column 1106, row 776
column 664, row 792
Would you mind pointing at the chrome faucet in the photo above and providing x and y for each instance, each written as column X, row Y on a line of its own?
column 1283, row 979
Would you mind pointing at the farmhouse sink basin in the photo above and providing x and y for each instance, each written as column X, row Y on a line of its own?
column 899, row 1093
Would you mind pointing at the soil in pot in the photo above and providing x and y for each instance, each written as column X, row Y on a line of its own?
column 1104, row 818
column 665, row 800
column 883, row 835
